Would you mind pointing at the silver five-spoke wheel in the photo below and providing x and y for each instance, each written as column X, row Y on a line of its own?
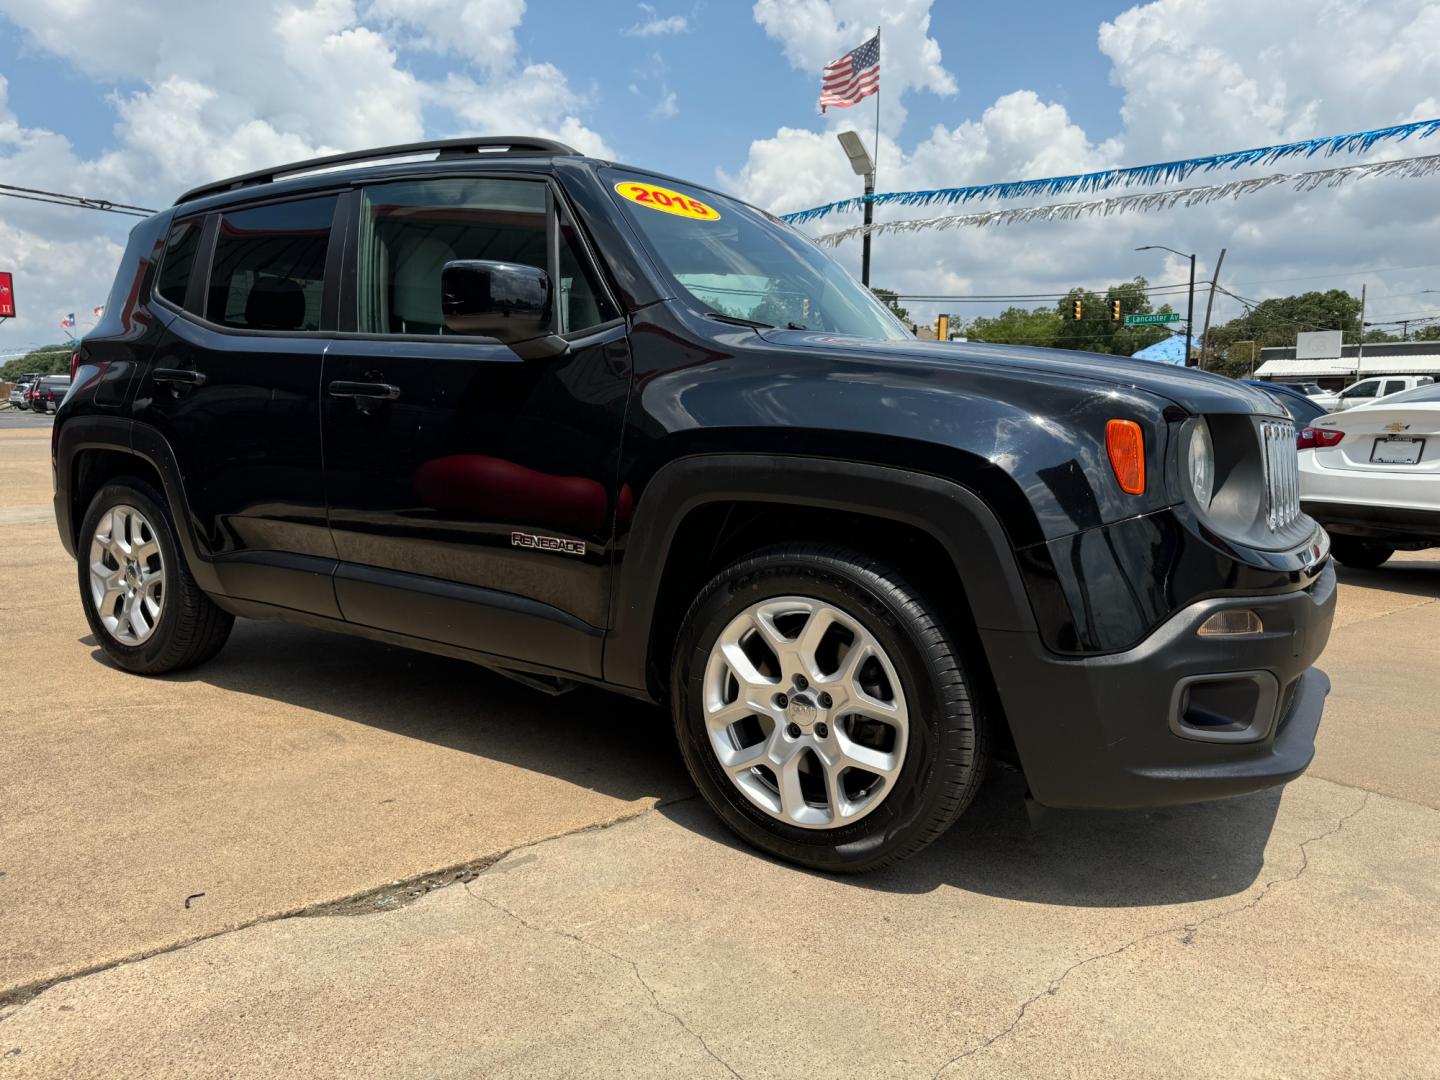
column 127, row 575
column 805, row 712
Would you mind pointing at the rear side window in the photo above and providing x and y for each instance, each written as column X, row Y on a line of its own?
column 1394, row 386
column 268, row 272
column 178, row 260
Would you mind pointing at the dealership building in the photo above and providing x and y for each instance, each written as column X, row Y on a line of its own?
column 1344, row 364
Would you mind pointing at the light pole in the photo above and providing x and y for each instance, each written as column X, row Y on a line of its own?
column 1190, row 309
column 864, row 165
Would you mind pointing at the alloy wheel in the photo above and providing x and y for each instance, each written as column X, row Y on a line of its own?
column 805, row 712
column 127, row 575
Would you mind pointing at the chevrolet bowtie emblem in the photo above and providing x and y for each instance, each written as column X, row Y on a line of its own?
column 1397, row 426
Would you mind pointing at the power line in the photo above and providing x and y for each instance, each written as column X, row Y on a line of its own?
column 993, row 298
column 80, row 202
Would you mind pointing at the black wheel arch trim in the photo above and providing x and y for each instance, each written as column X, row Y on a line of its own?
column 144, row 442
column 958, row 519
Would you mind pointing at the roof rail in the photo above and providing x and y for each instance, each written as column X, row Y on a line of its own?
column 447, row 148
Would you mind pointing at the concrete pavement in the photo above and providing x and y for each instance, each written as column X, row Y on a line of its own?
column 1290, row 933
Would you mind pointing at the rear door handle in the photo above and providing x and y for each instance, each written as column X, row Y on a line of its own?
column 377, row 390
column 179, row 375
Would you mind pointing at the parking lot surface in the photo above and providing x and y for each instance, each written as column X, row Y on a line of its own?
column 323, row 856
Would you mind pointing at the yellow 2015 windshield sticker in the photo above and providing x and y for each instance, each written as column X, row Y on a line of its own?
column 666, row 201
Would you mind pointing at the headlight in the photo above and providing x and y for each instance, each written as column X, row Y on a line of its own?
column 1200, row 463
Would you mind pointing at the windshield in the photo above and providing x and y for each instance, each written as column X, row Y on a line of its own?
column 742, row 264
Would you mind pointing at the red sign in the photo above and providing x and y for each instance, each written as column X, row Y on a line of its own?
column 7, row 296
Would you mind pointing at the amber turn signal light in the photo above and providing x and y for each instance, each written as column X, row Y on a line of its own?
column 1125, row 443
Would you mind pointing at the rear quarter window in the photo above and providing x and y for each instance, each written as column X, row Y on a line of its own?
column 178, row 260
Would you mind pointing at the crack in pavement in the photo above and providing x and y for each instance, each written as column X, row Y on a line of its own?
column 404, row 892
column 1186, row 930
column 634, row 967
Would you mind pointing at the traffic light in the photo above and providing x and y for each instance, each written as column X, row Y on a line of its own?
column 1077, row 309
column 1114, row 310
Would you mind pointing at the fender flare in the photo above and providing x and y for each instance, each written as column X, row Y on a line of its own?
column 146, row 443
column 958, row 519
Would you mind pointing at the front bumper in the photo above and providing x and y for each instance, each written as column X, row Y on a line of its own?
column 1147, row 726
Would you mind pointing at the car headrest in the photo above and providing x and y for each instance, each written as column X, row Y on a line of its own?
column 275, row 304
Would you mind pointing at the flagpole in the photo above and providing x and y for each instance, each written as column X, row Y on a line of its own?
column 876, row 156
column 870, row 178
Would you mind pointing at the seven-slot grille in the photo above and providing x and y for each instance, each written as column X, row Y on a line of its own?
column 1282, row 475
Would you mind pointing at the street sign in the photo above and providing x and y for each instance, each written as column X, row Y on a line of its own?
column 1152, row 320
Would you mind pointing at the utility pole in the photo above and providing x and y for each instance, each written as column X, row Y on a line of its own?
column 1209, row 307
column 1190, row 309
column 1360, row 340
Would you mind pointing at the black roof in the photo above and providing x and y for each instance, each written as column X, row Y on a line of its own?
column 480, row 146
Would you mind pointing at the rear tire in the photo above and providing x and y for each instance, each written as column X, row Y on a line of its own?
column 873, row 793
column 1360, row 554
column 155, row 618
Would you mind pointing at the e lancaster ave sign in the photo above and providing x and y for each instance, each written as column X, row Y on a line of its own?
column 1152, row 320
column 7, row 295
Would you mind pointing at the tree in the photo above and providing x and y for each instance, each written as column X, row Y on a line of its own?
column 1276, row 322
column 1095, row 331
column 887, row 297
column 48, row 360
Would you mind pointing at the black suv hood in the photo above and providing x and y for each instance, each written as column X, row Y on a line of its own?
column 1195, row 391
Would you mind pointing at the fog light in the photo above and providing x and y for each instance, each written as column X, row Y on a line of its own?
column 1236, row 622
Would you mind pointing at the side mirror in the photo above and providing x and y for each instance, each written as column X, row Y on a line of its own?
column 509, row 302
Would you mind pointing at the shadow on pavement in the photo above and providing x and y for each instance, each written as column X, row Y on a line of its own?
column 1408, row 577
column 1074, row 858
column 604, row 742
column 625, row 749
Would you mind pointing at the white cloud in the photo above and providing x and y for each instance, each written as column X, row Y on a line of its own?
column 208, row 88
column 1196, row 78
column 667, row 107
column 653, row 24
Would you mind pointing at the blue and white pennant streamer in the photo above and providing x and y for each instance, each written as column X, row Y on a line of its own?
column 1162, row 173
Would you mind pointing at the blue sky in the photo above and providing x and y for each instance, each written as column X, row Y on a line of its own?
column 139, row 100
column 729, row 78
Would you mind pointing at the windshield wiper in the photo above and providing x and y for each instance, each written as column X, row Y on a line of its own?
column 795, row 326
column 736, row 320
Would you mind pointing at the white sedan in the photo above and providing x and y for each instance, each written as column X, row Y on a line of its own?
column 1371, row 476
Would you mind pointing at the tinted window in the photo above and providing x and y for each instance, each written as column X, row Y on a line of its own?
column 1361, row 390
column 269, row 266
column 178, row 260
column 410, row 230
column 1393, row 386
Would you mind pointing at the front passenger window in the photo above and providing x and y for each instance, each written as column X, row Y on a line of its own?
column 411, row 229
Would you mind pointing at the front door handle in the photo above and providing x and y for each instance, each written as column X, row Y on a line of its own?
column 184, row 376
column 378, row 391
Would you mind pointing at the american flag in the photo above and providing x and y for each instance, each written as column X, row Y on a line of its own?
column 98, row 311
column 854, row 76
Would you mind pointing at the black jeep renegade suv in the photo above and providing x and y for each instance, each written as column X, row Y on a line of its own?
column 581, row 423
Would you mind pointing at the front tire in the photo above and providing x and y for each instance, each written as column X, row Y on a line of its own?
column 823, row 711
column 1360, row 554
column 143, row 605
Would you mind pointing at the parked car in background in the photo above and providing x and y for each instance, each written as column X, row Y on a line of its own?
column 1371, row 476
column 1309, row 389
column 49, row 392
column 1295, row 403
column 1367, row 390
column 17, row 395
